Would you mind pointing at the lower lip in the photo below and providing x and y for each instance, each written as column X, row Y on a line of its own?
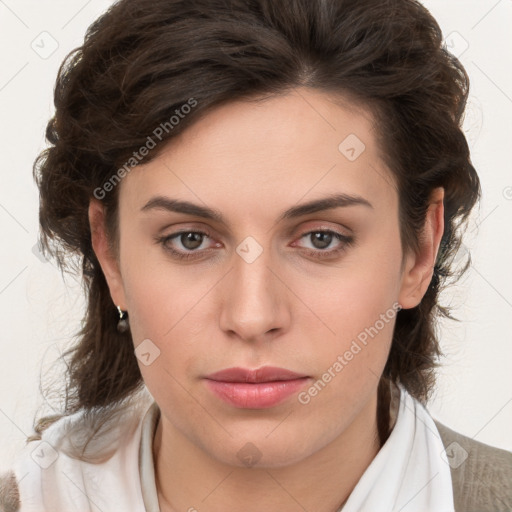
column 260, row 395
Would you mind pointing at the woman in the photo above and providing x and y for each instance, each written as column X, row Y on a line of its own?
column 267, row 198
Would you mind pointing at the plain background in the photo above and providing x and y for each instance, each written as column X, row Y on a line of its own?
column 39, row 312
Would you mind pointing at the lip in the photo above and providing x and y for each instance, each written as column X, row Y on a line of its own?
column 260, row 388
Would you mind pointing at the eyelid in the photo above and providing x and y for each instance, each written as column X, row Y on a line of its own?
column 322, row 225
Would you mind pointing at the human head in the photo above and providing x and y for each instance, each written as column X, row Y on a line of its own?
column 144, row 60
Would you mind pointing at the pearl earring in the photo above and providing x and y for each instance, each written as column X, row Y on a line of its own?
column 122, row 325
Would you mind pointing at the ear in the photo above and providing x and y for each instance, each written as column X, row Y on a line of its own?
column 107, row 260
column 419, row 266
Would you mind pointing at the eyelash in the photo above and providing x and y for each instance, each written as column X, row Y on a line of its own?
column 346, row 242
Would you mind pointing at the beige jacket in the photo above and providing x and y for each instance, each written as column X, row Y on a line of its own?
column 483, row 482
column 481, row 475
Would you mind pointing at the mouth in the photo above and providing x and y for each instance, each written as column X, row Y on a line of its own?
column 255, row 389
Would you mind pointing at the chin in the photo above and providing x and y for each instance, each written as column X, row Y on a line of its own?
column 261, row 452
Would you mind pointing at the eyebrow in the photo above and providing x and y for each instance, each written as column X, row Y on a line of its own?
column 317, row 205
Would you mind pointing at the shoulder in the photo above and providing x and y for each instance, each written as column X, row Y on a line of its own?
column 77, row 451
column 481, row 474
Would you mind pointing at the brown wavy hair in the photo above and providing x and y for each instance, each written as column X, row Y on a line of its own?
column 143, row 60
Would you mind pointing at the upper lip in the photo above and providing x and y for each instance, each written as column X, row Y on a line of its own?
column 263, row 374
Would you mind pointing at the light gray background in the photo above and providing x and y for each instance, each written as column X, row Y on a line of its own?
column 39, row 312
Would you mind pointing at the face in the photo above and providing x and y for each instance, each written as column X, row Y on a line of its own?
column 314, row 291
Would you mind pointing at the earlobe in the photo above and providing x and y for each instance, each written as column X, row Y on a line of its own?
column 419, row 266
column 107, row 260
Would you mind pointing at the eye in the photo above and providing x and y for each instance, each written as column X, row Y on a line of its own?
column 322, row 239
column 191, row 243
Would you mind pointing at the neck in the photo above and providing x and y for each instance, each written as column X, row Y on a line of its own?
column 187, row 478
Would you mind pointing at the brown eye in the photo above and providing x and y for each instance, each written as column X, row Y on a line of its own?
column 321, row 239
column 184, row 244
column 191, row 240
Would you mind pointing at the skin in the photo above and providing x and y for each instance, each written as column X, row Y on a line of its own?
column 288, row 308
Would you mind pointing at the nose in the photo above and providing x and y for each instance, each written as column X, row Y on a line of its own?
column 255, row 305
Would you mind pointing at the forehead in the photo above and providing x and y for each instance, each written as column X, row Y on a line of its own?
column 245, row 157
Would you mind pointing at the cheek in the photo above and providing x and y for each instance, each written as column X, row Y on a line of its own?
column 347, row 365
column 353, row 296
column 358, row 310
column 167, row 307
column 356, row 349
column 158, row 292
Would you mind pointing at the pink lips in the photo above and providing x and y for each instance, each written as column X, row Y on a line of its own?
column 255, row 389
